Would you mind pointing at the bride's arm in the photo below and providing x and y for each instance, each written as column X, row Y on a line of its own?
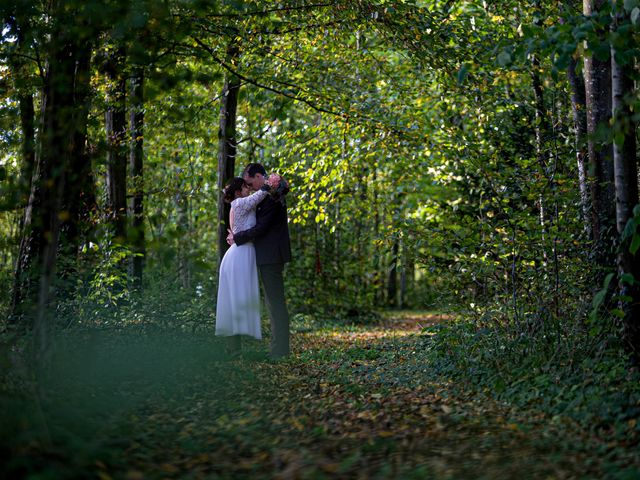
column 231, row 218
column 248, row 203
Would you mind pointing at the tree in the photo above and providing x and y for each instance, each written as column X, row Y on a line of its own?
column 227, row 144
column 117, row 141
column 136, row 174
column 597, row 81
column 579, row 109
column 626, row 175
column 60, row 159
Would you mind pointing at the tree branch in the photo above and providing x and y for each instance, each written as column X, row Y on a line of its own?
column 265, row 87
column 270, row 10
column 341, row 114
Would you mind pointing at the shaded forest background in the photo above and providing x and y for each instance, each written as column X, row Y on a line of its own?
column 445, row 153
column 463, row 156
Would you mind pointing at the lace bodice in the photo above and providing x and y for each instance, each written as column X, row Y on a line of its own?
column 244, row 210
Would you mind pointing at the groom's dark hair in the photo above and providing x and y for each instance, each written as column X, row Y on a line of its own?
column 253, row 168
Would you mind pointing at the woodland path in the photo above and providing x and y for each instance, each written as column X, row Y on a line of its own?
column 353, row 401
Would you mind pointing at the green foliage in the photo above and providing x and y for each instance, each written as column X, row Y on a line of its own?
column 560, row 369
column 414, row 142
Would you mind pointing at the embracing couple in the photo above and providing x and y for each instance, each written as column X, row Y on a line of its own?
column 259, row 239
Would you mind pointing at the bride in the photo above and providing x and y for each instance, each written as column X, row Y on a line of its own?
column 238, row 306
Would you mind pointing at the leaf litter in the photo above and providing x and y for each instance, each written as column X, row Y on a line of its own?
column 351, row 402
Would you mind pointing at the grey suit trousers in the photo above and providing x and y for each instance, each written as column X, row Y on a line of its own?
column 273, row 284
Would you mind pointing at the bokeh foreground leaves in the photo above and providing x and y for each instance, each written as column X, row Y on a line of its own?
column 354, row 401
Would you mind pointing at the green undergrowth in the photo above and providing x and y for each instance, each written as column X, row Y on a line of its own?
column 372, row 398
column 572, row 378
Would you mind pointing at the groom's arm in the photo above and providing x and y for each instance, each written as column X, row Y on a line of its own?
column 269, row 215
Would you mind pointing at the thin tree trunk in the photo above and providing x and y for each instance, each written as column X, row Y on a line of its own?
column 403, row 275
column 184, row 248
column 377, row 266
column 541, row 127
column 626, row 183
column 116, row 131
column 78, row 191
column 541, row 132
column 597, row 80
column 136, row 155
column 392, row 284
column 578, row 106
column 227, row 146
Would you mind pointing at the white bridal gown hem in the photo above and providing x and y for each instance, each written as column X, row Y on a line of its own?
column 238, row 310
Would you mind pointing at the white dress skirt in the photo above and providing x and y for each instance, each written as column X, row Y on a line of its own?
column 238, row 306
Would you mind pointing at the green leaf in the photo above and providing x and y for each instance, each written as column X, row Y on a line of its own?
column 462, row 74
column 600, row 296
column 617, row 313
column 629, row 5
column 629, row 229
column 628, row 278
column 504, row 59
column 618, row 138
column 635, row 244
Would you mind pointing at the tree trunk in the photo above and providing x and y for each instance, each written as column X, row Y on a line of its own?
column 116, row 130
column 541, row 127
column 78, row 194
column 184, row 246
column 597, row 81
column 392, row 285
column 578, row 106
column 136, row 153
column 626, row 184
column 542, row 133
column 403, row 275
column 227, row 146
column 63, row 125
column 378, row 265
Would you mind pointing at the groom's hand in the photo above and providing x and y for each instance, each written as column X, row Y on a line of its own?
column 230, row 240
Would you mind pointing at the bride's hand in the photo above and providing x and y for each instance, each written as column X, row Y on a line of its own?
column 274, row 180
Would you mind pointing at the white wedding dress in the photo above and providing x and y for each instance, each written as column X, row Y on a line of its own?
column 238, row 307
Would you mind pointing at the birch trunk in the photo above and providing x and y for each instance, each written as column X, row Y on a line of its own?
column 578, row 107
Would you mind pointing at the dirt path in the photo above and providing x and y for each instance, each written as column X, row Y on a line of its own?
column 353, row 401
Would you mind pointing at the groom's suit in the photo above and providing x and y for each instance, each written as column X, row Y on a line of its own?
column 270, row 237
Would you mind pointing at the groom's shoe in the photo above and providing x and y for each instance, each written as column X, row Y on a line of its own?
column 277, row 357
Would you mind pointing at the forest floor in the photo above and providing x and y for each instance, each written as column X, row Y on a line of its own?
column 353, row 401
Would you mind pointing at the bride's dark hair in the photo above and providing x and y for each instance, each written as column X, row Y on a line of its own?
column 234, row 185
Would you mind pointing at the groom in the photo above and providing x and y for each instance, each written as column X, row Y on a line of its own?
column 270, row 237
